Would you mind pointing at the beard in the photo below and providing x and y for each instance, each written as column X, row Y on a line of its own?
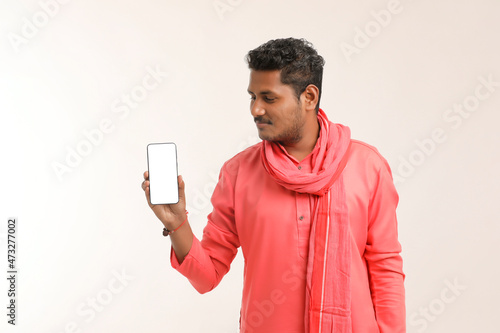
column 293, row 131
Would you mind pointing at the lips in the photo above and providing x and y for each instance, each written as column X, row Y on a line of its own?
column 262, row 123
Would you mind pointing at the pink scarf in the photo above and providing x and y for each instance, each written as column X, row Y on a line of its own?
column 328, row 289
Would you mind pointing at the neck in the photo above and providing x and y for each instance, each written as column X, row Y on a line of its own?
column 300, row 149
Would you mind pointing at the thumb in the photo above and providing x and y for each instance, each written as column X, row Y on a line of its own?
column 182, row 185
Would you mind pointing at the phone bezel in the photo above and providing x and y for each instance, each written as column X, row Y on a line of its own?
column 176, row 171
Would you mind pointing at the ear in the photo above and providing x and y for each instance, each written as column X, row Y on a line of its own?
column 310, row 97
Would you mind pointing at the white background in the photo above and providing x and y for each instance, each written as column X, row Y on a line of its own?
column 81, row 229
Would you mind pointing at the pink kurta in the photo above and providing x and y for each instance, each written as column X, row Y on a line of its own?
column 271, row 224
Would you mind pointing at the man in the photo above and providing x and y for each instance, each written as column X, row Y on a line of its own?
column 312, row 210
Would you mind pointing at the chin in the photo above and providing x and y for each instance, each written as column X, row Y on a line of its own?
column 267, row 137
column 263, row 136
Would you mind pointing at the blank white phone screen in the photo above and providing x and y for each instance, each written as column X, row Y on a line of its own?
column 162, row 167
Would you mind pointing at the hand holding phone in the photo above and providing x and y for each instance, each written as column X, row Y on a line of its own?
column 162, row 170
column 164, row 191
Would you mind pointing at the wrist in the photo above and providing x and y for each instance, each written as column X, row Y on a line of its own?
column 173, row 227
column 172, row 221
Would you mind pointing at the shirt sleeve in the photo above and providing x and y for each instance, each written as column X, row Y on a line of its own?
column 209, row 260
column 382, row 254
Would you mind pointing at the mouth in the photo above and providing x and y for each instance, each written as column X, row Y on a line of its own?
column 261, row 123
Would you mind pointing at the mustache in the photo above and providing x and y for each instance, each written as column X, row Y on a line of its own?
column 260, row 119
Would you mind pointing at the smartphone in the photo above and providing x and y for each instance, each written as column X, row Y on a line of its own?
column 162, row 168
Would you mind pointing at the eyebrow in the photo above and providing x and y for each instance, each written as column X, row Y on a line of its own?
column 265, row 92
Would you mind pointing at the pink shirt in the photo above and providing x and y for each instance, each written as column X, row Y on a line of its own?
column 271, row 224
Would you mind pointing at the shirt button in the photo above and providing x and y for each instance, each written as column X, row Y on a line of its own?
column 301, row 217
column 299, row 167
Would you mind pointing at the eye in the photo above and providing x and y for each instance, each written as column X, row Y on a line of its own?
column 267, row 99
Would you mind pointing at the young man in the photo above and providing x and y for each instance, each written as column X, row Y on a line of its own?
column 312, row 210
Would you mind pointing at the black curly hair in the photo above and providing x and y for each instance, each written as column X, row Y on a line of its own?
column 298, row 61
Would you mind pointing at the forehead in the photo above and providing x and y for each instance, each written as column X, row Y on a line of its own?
column 267, row 81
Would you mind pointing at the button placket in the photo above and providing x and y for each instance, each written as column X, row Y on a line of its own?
column 303, row 223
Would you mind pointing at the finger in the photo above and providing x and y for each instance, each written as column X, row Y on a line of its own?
column 146, row 191
column 182, row 185
column 145, row 184
column 146, row 175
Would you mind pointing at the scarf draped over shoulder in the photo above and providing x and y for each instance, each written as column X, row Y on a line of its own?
column 328, row 289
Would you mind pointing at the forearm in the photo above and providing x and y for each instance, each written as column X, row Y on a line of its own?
column 182, row 240
column 181, row 236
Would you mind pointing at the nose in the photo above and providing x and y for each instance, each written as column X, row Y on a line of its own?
column 257, row 109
